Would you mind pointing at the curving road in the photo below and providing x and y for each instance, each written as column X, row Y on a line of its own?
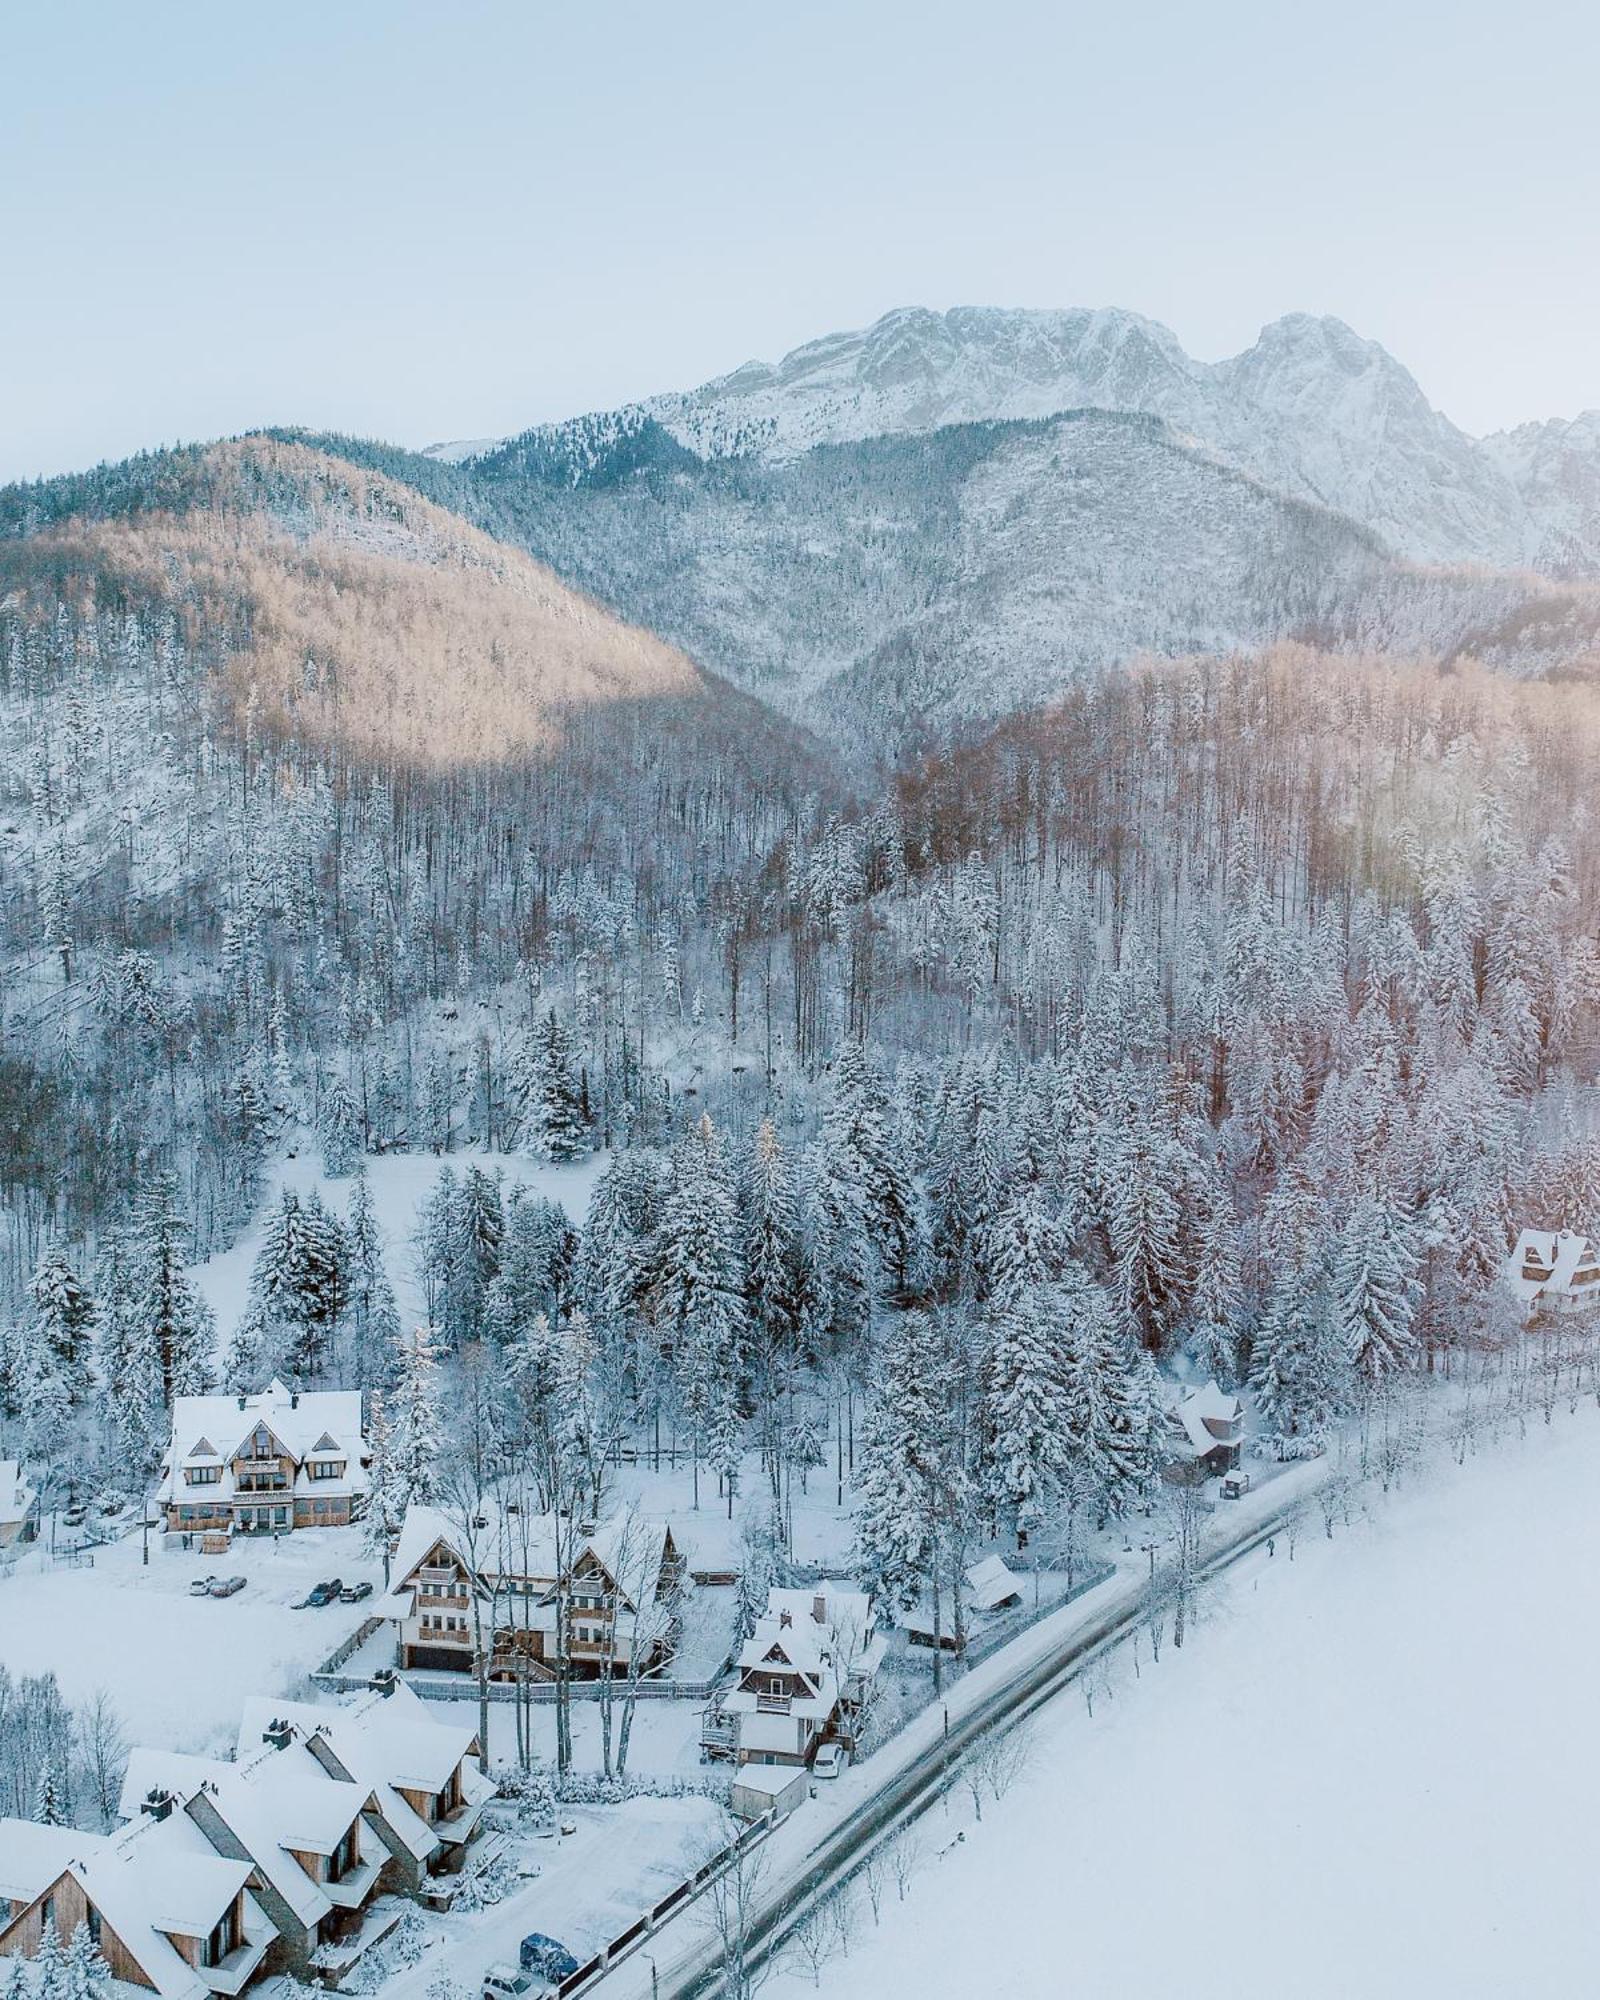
column 680, row 1962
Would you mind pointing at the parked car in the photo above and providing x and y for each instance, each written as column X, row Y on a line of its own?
column 542, row 1955
column 200, row 1586
column 74, row 1517
column 227, row 1586
column 505, row 1982
column 1235, row 1484
column 353, row 1593
column 318, row 1595
column 831, row 1759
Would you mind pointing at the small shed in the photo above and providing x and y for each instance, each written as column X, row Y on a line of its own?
column 917, row 1624
column 991, row 1586
column 763, row 1788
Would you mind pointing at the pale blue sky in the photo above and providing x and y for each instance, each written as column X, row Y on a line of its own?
column 426, row 221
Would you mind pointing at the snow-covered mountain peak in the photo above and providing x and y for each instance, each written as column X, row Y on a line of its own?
column 1313, row 409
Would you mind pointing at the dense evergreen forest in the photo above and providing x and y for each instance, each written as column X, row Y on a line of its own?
column 1228, row 1016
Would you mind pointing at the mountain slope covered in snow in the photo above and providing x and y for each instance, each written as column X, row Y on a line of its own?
column 888, row 583
column 1312, row 409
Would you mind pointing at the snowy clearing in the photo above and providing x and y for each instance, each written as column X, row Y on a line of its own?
column 1343, row 1785
column 178, row 1666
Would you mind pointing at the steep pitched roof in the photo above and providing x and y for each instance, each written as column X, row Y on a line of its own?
column 297, row 1419
column 149, row 1881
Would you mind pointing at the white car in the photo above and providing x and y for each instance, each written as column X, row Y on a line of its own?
column 830, row 1761
column 506, row 1982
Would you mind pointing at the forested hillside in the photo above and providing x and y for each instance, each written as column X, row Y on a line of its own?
column 893, row 588
column 1232, row 1009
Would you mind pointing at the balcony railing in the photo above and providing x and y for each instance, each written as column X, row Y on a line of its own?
column 774, row 1704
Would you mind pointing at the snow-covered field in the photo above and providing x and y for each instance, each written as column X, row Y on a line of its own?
column 1372, row 1771
column 178, row 1666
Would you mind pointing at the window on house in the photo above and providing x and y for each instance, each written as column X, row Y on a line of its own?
column 219, row 1943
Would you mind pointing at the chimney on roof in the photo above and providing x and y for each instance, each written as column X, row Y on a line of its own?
column 384, row 1681
column 158, row 1804
column 277, row 1734
column 785, row 1619
column 819, row 1608
column 294, row 1399
column 241, row 1399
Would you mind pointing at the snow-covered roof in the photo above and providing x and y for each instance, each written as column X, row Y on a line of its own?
column 770, row 1780
column 312, row 1426
column 32, row 1856
column 759, row 1730
column 16, row 1495
column 393, row 1739
column 777, row 1644
column 990, row 1584
column 150, row 1881
column 1207, row 1418
column 512, row 1543
column 273, row 1801
column 1550, row 1261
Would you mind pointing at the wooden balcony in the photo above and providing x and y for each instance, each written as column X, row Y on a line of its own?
column 774, row 1704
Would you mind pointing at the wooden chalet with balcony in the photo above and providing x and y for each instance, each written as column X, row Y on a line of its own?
column 803, row 1677
column 265, row 1464
column 536, row 1588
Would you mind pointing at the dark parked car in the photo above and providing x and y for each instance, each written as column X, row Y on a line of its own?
column 353, row 1593
column 550, row 1960
column 320, row 1594
column 226, row 1586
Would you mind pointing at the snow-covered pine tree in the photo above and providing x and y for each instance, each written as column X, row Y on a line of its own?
column 862, row 1163
column 416, row 1421
column 50, row 1963
column 771, row 1250
column 63, row 1320
column 909, row 1481
column 374, row 1318
column 481, row 1229
column 1108, row 1397
column 1025, row 1414
column 1143, row 1223
column 386, row 1502
column 171, row 1331
column 537, row 1258
column 546, row 1094
column 1375, row 1293
column 1023, row 1250
column 699, row 1289
column 50, row 1803
column 1299, row 1365
column 343, row 1141
column 86, row 1974
column 1215, row 1315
